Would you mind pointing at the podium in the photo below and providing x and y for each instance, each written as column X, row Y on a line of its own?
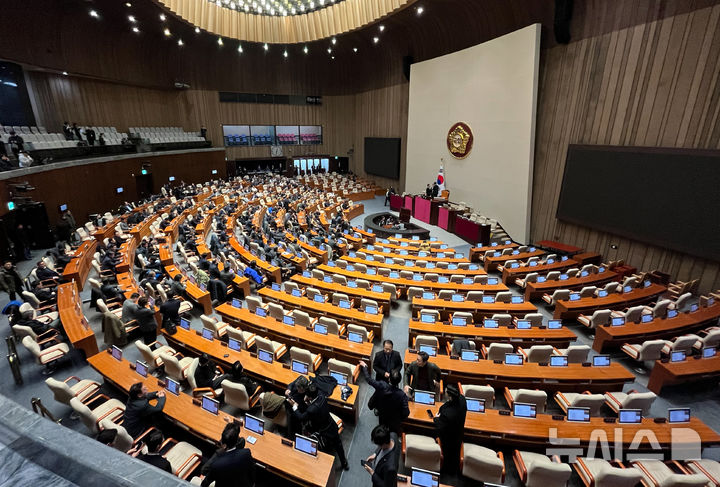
column 426, row 210
column 396, row 202
column 446, row 218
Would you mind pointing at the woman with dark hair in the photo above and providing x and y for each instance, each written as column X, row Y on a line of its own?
column 238, row 376
column 450, row 426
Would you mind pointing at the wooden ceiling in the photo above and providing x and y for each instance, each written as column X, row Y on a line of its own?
column 59, row 35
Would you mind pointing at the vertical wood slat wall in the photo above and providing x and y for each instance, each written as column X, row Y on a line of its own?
column 655, row 84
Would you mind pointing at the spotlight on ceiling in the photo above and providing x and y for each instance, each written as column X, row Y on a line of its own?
column 197, row 30
column 265, row 46
column 65, row 73
column 376, row 39
column 167, row 32
column 305, row 49
column 240, row 48
column 93, row 13
column 162, row 18
column 420, row 10
column 382, row 27
column 334, row 41
column 132, row 18
column 220, row 42
column 136, row 30
column 285, row 53
column 128, row 4
column 180, row 42
column 355, row 49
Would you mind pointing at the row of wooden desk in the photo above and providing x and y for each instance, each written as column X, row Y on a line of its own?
column 382, row 298
column 80, row 264
column 478, row 253
column 73, row 320
column 415, row 268
column 509, row 274
column 478, row 309
column 491, row 263
column 566, row 309
column 268, row 450
column 535, row 290
column 438, row 257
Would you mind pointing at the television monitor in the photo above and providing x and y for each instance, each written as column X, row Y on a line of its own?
column 564, row 277
column 584, row 274
column 430, row 350
column 646, row 318
column 299, row 367
column 488, row 299
column 514, row 265
column 306, row 445
column 265, row 356
column 141, row 368
column 355, row 337
column 339, row 377
column 524, row 325
column 475, row 405
column 457, row 298
column 679, row 415
column 564, row 258
column 459, row 256
column 578, row 415
column 672, row 313
column 256, row 425
column 602, row 293
column 467, row 280
column 289, row 320
column 575, row 297
column 371, row 272
column 629, row 416
column 352, row 284
column 344, row 304
column 558, row 361
column 424, row 478
column 371, row 310
column 627, row 289
column 487, row 323
column 424, row 397
column 318, row 298
column 541, row 279
column 119, row 190
column 327, row 279
column 617, row 321
column 443, row 279
column 492, row 244
column 550, row 261
column 417, row 277
column 307, row 274
column 320, row 328
column 394, row 275
column 377, row 288
column 708, row 352
column 210, row 405
column 533, row 263
column 678, row 356
column 517, row 299
column 492, row 281
column 275, row 286
column 116, row 353
column 469, row 355
column 646, row 283
column 388, row 260
column 694, row 308
column 260, row 312
column 296, row 292
column 554, row 324
column 207, row 334
column 524, row 410
column 601, row 361
column 515, row 252
column 427, row 318
column 172, row 386
column 233, row 344
column 601, row 270
column 452, row 267
column 63, row 207
column 459, row 321
column 184, row 324
column 513, row 359
column 428, row 295
column 496, row 254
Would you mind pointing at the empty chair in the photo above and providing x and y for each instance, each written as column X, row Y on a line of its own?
column 612, row 287
column 350, row 370
column 468, row 317
column 633, row 314
column 337, row 297
column 312, row 360
column 708, row 468
column 81, row 389
column 364, row 303
column 709, row 338
column 682, row 302
column 588, row 291
column 218, row 328
column 532, row 277
column 246, row 339
column 333, row 327
column 503, row 297
column 270, row 346
column 576, row 354
column 538, row 470
column 475, row 296
column 426, row 340
column 383, row 271
column 580, row 400
column 253, row 303
column 497, row 351
column 431, row 276
column 362, row 283
column 176, row 369
column 528, row 396
column 631, row 281
column 276, row 311
column 237, row 396
column 538, row 354
column 655, row 473
column 481, row 279
column 318, row 274
column 683, row 343
column 572, row 272
column 486, row 393
column 362, row 331
column 432, row 312
column 630, row 400
column 482, row 464
column 47, row 357
column 152, row 357
column 599, row 317
column 288, row 287
column 646, row 351
column 598, row 472
column 421, row 452
column 311, row 292
column 552, row 275
column 406, row 275
column 557, row 295
column 659, row 310
column 503, row 319
column 391, row 289
column 535, row 319
column 302, row 318
column 414, row 292
column 110, row 410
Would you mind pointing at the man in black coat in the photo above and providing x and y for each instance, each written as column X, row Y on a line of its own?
column 383, row 464
column 389, row 400
column 450, row 427
column 386, row 361
column 153, row 442
column 169, row 310
column 138, row 410
column 232, row 465
column 435, row 190
column 145, row 318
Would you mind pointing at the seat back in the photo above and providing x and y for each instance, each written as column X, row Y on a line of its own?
column 684, row 343
column 318, row 274
column 475, row 296
column 172, row 367
column 435, row 313
column 480, row 392
column 531, row 396
column 191, row 372
column 600, row 317
column 235, row 395
column 577, row 354
column 660, row 308
column 553, row 275
column 414, row 292
column 301, row 318
column 503, row 319
column 634, row 314
column 651, row 350
column 61, row 391
column 265, row 344
column 276, row 311
column 445, row 294
column 592, row 401
column 289, row 286
column 123, row 440
column 547, row 473
column 332, row 325
column 536, row 319
column 497, row 351
column 588, row 291
column 540, row 354
column 302, row 355
column 32, row 346
column 86, row 415
column 146, row 353
column 253, row 303
column 358, row 329
column 639, row 400
column 560, row 295
column 338, row 279
column 427, row 340
column 311, row 292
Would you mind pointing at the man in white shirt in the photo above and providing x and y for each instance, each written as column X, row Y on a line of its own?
column 25, row 159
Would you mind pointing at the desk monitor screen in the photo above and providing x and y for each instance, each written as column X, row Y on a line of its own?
column 265, row 356
column 260, row 311
column 452, row 267
column 492, row 281
column 601, row 270
column 476, row 405
column 63, row 207
column 459, row 321
column 584, row 274
column 339, row 377
column 646, row 318
column 207, row 334
column 517, row 299
column 408, row 263
column 617, row 321
column 415, row 237
column 458, row 298
column 563, row 277
column 398, row 235
column 203, row 287
column 515, row 252
column 490, row 323
column 296, row 293
column 694, row 308
column 710, row 301
column 459, row 256
column 352, row 284
column 350, row 267
column 708, row 352
column 371, row 247
column 601, row 361
column 427, row 318
column 404, row 252
column 306, row 445
column 564, row 258
column 344, row 304
column 299, row 367
column 492, row 244
column 678, row 356
column 352, row 254
column 210, row 405
column 554, row 325
column 275, row 286
column 524, row 325
column 417, row 277
column 430, row 265
column 377, row 288
column 541, row 279
column 307, row 274
column 256, row 425
column 424, row 397
column 355, row 337
column 496, row 254
column 514, row 265
column 234, row 344
column 443, row 246
column 488, row 299
column 184, row 324
column 646, row 283
column 172, row 386
column 524, row 410
column 371, row 310
column 550, row 261
column 575, row 297
column 318, row 298
column 443, row 279
column 327, row 279
column 579, row 415
column 629, row 416
column 602, row 293
column 428, row 295
column 388, row 260
column 430, row 350
column 469, row 355
column 141, row 368
column 558, row 361
column 394, row 275
column 331, row 263
column 467, row 280
column 672, row 313
column 321, row 329
column 627, row 289
column 289, row 320
column 422, row 253
column 424, row 478
column 441, row 255
column 513, row 359
column 116, row 353
column 679, row 415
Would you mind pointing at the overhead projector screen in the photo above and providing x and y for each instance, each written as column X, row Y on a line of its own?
column 492, row 87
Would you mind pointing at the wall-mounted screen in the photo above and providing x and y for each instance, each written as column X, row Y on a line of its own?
column 236, row 135
column 262, row 135
column 310, row 134
column 382, row 157
column 287, row 134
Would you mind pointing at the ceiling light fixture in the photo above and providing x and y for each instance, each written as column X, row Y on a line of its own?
column 329, row 50
column 132, row 19
column 382, row 27
column 220, row 42
column 355, row 49
column 305, row 49
column 197, row 30
column 136, row 30
column 333, row 40
column 420, row 10
column 180, row 42
column 167, row 33
column 285, row 54
column 162, row 18
column 240, row 48
column 93, row 13
column 265, row 46
column 65, row 73
column 376, row 39
column 128, row 4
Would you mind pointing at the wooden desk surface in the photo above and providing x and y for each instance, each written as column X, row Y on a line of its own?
column 80, row 264
column 477, row 253
column 267, row 450
column 574, row 377
column 669, row 373
column 193, row 291
column 406, row 283
column 274, row 374
column 73, row 320
column 537, row 289
column 509, row 274
column 526, row 432
column 437, row 257
column 106, row 231
column 611, row 337
column 491, row 263
column 478, row 308
column 273, row 272
column 571, row 309
column 329, row 346
column 446, row 332
column 333, row 287
column 423, row 270
column 352, row 315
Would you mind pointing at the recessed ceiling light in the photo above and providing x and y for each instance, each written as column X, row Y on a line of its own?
column 131, row 18
column 329, row 50
column 180, row 42
column 420, row 10
column 93, row 13
column 355, row 49
column 305, row 49
column 285, row 54
column 265, row 46
column 162, row 17
column 167, row 33
column 220, row 42
column 65, row 73
column 136, row 30
column 382, row 27
column 333, row 40
column 128, row 4
column 376, row 40
column 240, row 48
column 332, row 57
column 197, row 30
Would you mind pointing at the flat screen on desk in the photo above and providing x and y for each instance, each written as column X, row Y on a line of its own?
column 490, row 323
column 234, row 344
column 306, row 445
column 371, row 272
column 646, row 318
column 371, row 310
column 558, row 361
column 339, row 377
column 321, row 329
column 327, row 279
column 708, row 352
column 275, row 286
column 672, row 313
column 452, row 267
column 688, row 177
column 459, row 321
column 627, row 289
column 306, row 274
column 443, row 279
column 629, row 416
column 513, row 359
column 467, row 280
column 417, row 277
column 678, row 356
column 492, row 281
column 260, row 312
column 428, row 295
column 319, row 298
column 694, row 308
column 679, row 415
column 602, row 293
column 265, row 356
column 210, row 405
column 517, row 299
column 469, row 355
column 256, row 425
column 382, row 157
column 116, row 353
column 355, row 337
column 296, row 293
column 579, row 415
column 524, row 410
column 427, row 318
column 554, row 325
column 424, row 478
column 172, row 386
column 424, row 397
column 524, row 325
column 563, row 277
column 207, row 334
column 141, row 368
column 344, row 304
column 352, row 284
column 430, row 350
column 458, row 298
column 377, row 288
column 236, row 303
column 617, row 321
column 488, row 299
column 299, row 367
column 575, row 297
column 289, row 320
column 394, row 275
column 601, row 361
column 475, row 405
column 430, row 265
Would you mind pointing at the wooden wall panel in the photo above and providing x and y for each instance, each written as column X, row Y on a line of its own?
column 654, row 84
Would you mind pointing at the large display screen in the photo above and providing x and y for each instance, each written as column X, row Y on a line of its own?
column 382, row 157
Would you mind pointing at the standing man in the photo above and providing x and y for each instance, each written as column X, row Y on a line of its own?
column 146, row 321
column 232, row 465
column 386, row 361
column 16, row 143
column 10, row 280
column 389, row 400
column 428, row 191
column 90, row 135
column 139, row 413
column 450, row 428
column 67, row 131
column 435, row 190
column 383, row 464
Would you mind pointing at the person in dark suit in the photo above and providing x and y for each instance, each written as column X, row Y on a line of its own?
column 169, row 310
column 435, row 190
column 389, row 400
column 153, row 442
column 383, row 464
column 320, row 422
column 146, row 321
column 139, row 412
column 90, row 136
column 232, row 465
column 422, row 375
column 450, row 427
column 386, row 361
column 428, row 191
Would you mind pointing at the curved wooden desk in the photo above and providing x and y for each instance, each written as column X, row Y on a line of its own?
column 691, row 370
column 193, row 291
column 477, row 253
column 491, row 263
column 268, row 451
column 73, row 320
column 509, row 275
column 383, row 299
column 478, row 309
column 534, row 290
column 422, row 270
column 80, row 264
column 409, row 256
column 641, row 295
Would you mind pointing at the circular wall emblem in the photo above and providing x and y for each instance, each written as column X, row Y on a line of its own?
column 460, row 140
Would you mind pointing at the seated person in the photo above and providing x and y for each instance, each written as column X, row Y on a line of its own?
column 153, row 442
column 422, row 375
column 45, row 274
column 251, row 271
column 206, row 373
